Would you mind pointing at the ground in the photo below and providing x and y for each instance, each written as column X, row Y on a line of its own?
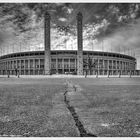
column 109, row 106
column 35, row 106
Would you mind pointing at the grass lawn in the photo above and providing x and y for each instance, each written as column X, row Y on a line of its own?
column 110, row 106
column 35, row 106
column 26, row 107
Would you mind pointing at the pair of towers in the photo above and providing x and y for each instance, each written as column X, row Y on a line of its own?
column 47, row 40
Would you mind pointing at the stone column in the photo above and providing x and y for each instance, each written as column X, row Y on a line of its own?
column 39, row 66
column 121, row 67
column 80, row 44
column 98, row 71
column 29, row 66
column 24, row 67
column 6, row 68
column 75, row 65
column 16, row 64
column 20, row 66
column 108, row 68
column 12, row 67
column 57, row 65
column 34, row 67
column 128, row 66
column 116, row 67
column 124, row 68
column 47, row 43
column 112, row 68
column 63, row 66
column 103, row 67
column 69, row 65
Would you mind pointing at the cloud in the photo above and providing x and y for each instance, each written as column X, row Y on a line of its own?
column 126, row 37
column 69, row 10
column 62, row 19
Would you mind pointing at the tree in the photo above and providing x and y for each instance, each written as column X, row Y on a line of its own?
column 90, row 64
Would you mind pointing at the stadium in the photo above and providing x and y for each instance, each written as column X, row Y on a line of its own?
column 62, row 62
column 67, row 61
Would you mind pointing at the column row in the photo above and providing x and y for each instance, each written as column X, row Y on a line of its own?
column 25, row 67
column 62, row 65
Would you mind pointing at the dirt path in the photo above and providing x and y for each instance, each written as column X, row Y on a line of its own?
column 76, row 103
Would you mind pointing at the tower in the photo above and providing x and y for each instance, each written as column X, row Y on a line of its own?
column 47, row 43
column 80, row 44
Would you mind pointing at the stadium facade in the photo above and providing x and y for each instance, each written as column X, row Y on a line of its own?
column 32, row 63
column 66, row 61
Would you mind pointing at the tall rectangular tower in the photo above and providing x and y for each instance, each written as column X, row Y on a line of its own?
column 80, row 44
column 47, row 66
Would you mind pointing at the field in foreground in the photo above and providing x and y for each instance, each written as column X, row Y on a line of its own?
column 109, row 106
column 34, row 107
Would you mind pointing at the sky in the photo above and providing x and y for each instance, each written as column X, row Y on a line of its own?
column 125, row 40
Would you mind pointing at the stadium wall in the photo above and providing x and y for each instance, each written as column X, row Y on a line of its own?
column 65, row 62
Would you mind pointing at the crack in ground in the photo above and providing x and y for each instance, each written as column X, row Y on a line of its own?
column 79, row 125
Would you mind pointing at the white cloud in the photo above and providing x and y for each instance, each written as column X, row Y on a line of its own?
column 62, row 19
column 70, row 10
